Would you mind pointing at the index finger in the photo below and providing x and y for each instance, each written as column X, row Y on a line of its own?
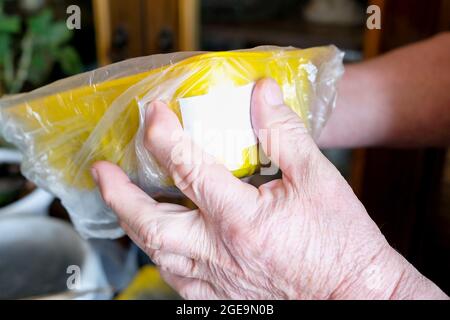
column 207, row 183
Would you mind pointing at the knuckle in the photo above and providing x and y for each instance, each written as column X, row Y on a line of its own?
column 178, row 265
column 288, row 120
column 191, row 267
column 304, row 169
column 187, row 176
column 299, row 136
column 303, row 182
column 175, row 266
column 155, row 256
column 150, row 233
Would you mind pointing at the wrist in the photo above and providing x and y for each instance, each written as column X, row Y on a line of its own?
column 412, row 285
column 388, row 275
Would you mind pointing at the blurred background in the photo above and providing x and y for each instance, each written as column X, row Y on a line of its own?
column 407, row 192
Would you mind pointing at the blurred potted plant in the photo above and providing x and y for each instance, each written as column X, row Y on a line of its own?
column 30, row 46
column 32, row 43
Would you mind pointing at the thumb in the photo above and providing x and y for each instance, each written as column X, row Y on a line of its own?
column 282, row 134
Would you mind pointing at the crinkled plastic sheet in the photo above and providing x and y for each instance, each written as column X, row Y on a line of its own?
column 64, row 127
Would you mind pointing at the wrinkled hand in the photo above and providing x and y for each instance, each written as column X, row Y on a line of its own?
column 303, row 236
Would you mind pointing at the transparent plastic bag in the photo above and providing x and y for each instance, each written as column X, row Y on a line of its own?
column 64, row 127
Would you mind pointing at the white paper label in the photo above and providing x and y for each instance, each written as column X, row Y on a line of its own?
column 220, row 122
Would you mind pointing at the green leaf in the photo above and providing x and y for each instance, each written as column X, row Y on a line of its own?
column 40, row 23
column 8, row 70
column 10, row 24
column 5, row 45
column 58, row 34
column 70, row 61
column 40, row 66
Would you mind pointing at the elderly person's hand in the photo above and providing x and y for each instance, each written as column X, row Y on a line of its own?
column 303, row 236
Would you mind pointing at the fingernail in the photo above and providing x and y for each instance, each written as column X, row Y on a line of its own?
column 272, row 93
column 94, row 174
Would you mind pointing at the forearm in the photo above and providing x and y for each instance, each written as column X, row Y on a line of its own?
column 399, row 99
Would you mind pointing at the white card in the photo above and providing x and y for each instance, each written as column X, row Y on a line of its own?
column 220, row 122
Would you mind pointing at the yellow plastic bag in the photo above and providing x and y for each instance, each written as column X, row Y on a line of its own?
column 63, row 128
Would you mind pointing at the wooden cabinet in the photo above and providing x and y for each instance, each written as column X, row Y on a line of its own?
column 401, row 189
column 126, row 29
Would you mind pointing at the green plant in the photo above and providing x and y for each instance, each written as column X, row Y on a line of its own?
column 30, row 45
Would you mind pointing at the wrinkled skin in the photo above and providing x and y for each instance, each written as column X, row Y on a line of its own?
column 305, row 236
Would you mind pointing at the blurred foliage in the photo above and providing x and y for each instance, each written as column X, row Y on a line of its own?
column 30, row 45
